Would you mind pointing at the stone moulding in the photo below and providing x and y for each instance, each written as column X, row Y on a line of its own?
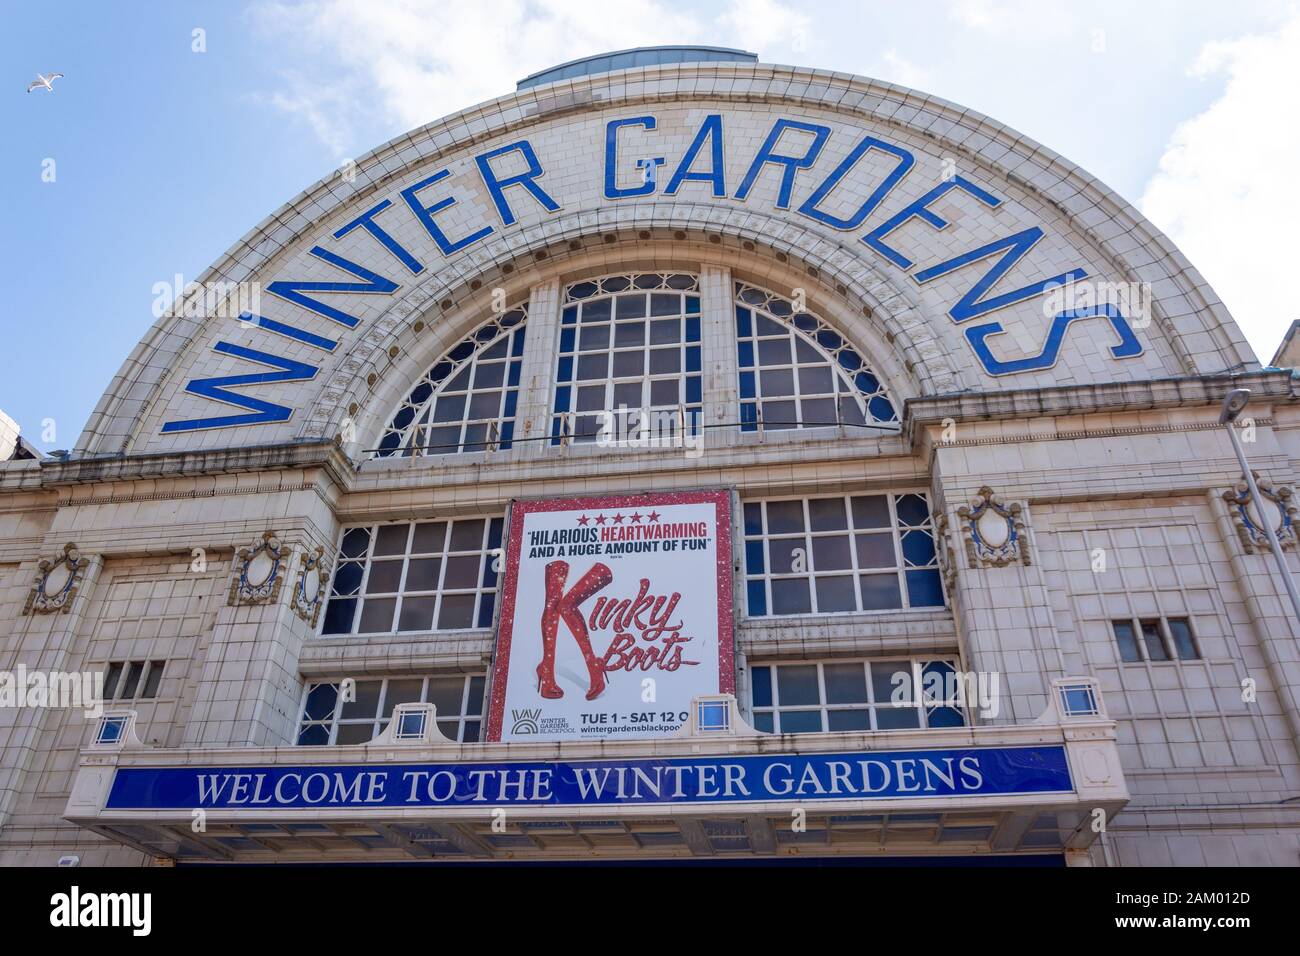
column 309, row 591
column 57, row 580
column 947, row 557
column 1246, row 517
column 259, row 572
column 994, row 532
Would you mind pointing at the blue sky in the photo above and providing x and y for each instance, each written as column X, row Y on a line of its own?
column 164, row 157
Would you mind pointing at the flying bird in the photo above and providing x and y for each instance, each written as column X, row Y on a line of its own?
column 43, row 82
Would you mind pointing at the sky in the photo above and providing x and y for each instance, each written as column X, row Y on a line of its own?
column 179, row 126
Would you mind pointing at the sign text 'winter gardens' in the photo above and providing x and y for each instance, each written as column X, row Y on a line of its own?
column 968, row 772
column 513, row 180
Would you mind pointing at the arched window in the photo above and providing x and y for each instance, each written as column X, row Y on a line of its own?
column 630, row 348
column 798, row 372
column 467, row 401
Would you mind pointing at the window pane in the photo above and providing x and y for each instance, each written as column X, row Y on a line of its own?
column 1154, row 641
column 897, row 718
column 355, row 734
column 1128, row 647
column 845, row 683
column 320, row 702
column 152, row 681
column 848, row 720
column 422, row 574
column 784, row 517
column 801, row 721
column 133, row 672
column 797, row 684
column 880, row 592
column 377, row 615
column 924, row 588
column 457, row 611
column 791, row 596
column 401, row 691
column 831, row 553
column 112, row 679
column 417, row 613
column 876, row 550
column 1183, row 643
column 871, row 511
column 366, row 703
column 836, row 594
column 761, row 678
column 384, row 577
column 891, row 682
column 391, row 539
column 445, row 693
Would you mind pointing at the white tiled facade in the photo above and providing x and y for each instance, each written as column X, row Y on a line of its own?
column 1118, row 466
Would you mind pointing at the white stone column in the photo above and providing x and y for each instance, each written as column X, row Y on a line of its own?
column 537, row 379
column 249, row 691
column 42, row 643
column 718, row 341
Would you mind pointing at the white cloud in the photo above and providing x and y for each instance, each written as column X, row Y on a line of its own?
column 896, row 68
column 759, row 25
column 1224, row 191
column 398, row 64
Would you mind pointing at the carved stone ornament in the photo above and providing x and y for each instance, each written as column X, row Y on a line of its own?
column 1278, row 508
column 994, row 532
column 947, row 557
column 259, row 572
column 56, row 582
column 309, row 592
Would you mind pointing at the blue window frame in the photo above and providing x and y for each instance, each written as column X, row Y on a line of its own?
column 795, row 371
column 841, row 554
column 629, row 353
column 467, row 401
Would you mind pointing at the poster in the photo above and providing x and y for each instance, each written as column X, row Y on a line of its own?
column 615, row 613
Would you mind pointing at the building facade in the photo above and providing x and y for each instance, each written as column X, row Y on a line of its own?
column 682, row 457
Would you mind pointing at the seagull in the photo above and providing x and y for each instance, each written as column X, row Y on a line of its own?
column 44, row 82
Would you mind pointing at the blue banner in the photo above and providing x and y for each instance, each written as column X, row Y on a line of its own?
column 968, row 772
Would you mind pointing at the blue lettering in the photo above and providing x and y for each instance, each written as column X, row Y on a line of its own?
column 497, row 187
column 612, row 190
column 367, row 222
column 905, row 162
column 426, row 213
column 292, row 290
column 972, row 304
column 1128, row 346
column 711, row 130
column 920, row 210
column 767, row 154
column 263, row 412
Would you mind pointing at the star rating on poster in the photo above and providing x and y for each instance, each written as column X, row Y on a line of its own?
column 618, row 518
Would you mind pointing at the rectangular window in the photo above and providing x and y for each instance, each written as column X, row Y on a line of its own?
column 140, row 682
column 829, row 696
column 327, row 719
column 415, row 576
column 1162, row 639
column 838, row 555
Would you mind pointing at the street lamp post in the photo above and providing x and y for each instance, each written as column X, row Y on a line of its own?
column 1233, row 405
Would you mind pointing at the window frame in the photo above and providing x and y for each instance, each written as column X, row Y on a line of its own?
column 480, row 591
column 823, row 707
column 1165, row 634
column 896, row 530
column 691, row 411
column 378, row 722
